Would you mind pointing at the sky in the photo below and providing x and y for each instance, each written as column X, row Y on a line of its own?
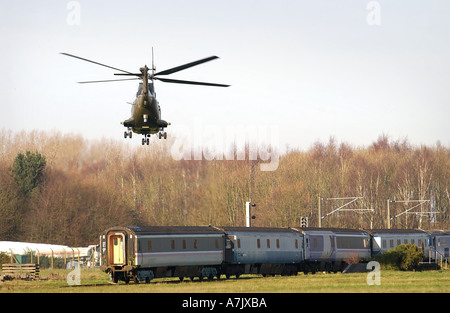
column 300, row 71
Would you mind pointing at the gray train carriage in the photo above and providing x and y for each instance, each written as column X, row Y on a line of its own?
column 386, row 239
column 144, row 253
column 262, row 250
column 332, row 249
column 439, row 243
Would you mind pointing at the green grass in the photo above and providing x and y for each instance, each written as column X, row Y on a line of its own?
column 99, row 282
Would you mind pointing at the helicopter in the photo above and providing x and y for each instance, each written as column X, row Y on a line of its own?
column 145, row 109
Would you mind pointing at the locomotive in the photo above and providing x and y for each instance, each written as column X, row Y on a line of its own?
column 144, row 253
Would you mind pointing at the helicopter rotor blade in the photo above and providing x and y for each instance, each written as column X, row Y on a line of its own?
column 107, row 81
column 188, row 82
column 77, row 57
column 128, row 74
column 185, row 66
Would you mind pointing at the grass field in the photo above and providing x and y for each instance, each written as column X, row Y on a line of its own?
column 95, row 281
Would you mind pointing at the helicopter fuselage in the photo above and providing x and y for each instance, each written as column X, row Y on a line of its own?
column 145, row 113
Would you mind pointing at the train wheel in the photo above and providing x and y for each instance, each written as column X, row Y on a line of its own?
column 307, row 269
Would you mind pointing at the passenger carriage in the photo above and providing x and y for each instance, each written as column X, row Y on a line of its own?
column 262, row 250
column 386, row 239
column 144, row 253
column 439, row 245
column 331, row 249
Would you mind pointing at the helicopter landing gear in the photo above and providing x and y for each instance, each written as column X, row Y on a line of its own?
column 162, row 135
column 146, row 139
column 128, row 133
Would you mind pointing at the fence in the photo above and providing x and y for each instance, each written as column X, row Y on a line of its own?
column 22, row 271
column 67, row 260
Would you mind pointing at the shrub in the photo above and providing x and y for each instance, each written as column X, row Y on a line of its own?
column 405, row 257
column 4, row 258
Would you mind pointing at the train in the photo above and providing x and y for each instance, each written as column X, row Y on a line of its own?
column 142, row 253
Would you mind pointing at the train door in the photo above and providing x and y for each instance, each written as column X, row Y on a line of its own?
column 316, row 247
column 305, row 247
column 326, row 247
column 230, row 242
column 332, row 247
column 116, row 248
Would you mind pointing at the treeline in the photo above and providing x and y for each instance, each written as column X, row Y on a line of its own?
column 88, row 186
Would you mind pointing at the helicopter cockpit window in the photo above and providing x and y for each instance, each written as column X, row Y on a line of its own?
column 151, row 89
column 139, row 89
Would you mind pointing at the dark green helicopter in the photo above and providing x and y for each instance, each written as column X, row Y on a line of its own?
column 145, row 111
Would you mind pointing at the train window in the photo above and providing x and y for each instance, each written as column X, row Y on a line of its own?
column 412, row 241
column 172, row 244
column 315, row 242
column 399, row 242
column 384, row 243
column 405, row 241
column 149, row 245
column 296, row 244
column 391, row 243
column 278, row 243
column 258, row 243
column 195, row 244
column 332, row 242
column 239, row 243
column 268, row 243
column 184, row 244
column 217, row 243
